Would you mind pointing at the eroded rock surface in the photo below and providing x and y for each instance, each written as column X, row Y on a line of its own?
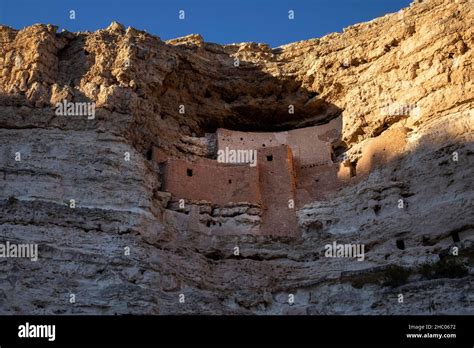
column 402, row 85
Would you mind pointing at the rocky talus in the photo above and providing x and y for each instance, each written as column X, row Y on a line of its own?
column 405, row 79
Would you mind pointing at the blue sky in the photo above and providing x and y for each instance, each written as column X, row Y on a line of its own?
column 220, row 21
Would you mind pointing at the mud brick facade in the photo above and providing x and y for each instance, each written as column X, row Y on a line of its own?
column 277, row 185
column 211, row 181
column 293, row 168
column 311, row 145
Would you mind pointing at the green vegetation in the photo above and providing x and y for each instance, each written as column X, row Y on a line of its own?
column 447, row 267
column 12, row 200
column 395, row 276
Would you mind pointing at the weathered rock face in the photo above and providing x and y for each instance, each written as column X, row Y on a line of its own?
column 403, row 87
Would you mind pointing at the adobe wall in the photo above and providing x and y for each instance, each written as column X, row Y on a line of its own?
column 211, row 181
column 277, row 184
column 316, row 175
column 311, row 145
column 317, row 182
column 294, row 165
column 271, row 184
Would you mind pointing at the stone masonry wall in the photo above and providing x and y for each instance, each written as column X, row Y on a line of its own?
column 211, row 181
column 315, row 173
column 277, row 184
column 310, row 145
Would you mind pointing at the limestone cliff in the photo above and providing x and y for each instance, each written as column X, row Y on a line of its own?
column 402, row 87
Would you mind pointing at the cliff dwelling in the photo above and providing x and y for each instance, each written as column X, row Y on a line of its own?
column 292, row 168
